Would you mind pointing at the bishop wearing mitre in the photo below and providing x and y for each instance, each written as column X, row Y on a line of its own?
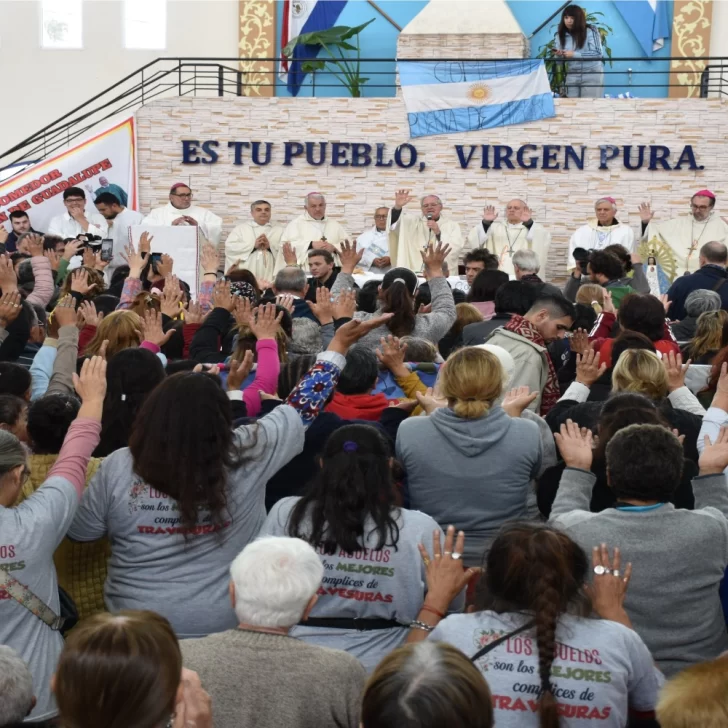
column 415, row 232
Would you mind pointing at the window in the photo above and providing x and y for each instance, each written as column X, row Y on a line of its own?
column 145, row 24
column 62, row 24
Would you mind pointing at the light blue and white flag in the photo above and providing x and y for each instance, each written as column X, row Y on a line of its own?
column 649, row 21
column 442, row 97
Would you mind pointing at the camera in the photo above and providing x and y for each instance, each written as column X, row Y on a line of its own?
column 581, row 256
column 90, row 241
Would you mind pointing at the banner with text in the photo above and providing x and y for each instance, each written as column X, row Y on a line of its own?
column 103, row 163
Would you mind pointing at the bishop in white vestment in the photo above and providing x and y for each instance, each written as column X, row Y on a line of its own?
column 605, row 230
column 375, row 244
column 254, row 245
column 312, row 231
column 676, row 243
column 180, row 211
column 415, row 232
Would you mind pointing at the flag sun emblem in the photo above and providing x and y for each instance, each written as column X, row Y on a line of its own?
column 478, row 92
column 298, row 8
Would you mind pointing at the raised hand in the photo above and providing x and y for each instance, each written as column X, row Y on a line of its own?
column 608, row 304
column 79, row 282
column 10, row 308
column 209, row 259
column 714, row 458
column 242, row 311
column 53, row 258
column 609, row 585
column 221, row 296
column 429, row 402
column 266, row 323
column 675, row 370
column 489, row 213
column 575, row 446
column 135, row 260
column 72, row 248
column 348, row 334
column 90, row 316
column 391, row 354
column 526, row 214
column 323, row 309
column 88, row 260
column 8, row 278
column 579, row 342
column 285, row 300
column 289, row 254
column 401, row 198
column 345, row 305
column 152, row 328
column 588, row 368
column 194, row 314
column 65, row 311
column 35, row 245
column 433, row 258
column 165, row 265
column 516, row 400
column 171, row 297
column 349, row 257
column 239, row 370
column 4, row 234
column 145, row 243
column 91, row 387
column 646, row 213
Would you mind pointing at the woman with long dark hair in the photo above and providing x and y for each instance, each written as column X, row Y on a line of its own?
column 547, row 661
column 575, row 39
column 188, row 493
column 397, row 296
column 374, row 580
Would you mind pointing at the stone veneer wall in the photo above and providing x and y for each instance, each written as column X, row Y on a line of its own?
column 561, row 199
column 476, row 46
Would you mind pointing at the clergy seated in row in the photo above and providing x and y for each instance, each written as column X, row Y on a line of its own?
column 312, row 231
column 504, row 239
column 181, row 211
column 255, row 244
column 675, row 244
column 601, row 232
column 415, row 232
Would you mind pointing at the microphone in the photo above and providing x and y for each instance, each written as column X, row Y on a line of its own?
column 429, row 216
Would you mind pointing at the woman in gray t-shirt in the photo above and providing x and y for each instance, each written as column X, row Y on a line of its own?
column 374, row 579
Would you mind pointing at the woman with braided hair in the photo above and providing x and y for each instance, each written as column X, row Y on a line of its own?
column 548, row 663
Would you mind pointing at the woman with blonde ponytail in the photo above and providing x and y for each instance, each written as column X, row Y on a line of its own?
column 548, row 662
column 470, row 463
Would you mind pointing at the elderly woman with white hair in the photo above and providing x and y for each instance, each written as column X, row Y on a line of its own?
column 697, row 303
column 602, row 231
column 257, row 674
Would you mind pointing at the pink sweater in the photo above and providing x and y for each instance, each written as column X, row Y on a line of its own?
column 44, row 286
column 81, row 440
column 266, row 376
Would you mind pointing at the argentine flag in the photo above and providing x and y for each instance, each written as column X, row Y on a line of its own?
column 649, row 20
column 442, row 97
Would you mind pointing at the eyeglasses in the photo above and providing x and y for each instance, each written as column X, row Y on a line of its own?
column 179, row 194
column 383, row 217
column 700, row 207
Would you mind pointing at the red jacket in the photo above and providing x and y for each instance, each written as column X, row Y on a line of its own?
column 359, row 406
column 602, row 342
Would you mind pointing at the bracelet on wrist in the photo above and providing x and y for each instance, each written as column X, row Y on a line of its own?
column 432, row 610
column 416, row 624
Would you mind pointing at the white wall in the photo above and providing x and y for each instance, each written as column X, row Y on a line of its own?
column 43, row 84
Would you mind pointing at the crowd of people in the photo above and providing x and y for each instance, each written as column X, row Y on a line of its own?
column 290, row 501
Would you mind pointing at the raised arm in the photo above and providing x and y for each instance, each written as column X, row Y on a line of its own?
column 439, row 321
column 64, row 365
column 42, row 272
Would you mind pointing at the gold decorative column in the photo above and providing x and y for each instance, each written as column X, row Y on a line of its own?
column 257, row 40
column 690, row 41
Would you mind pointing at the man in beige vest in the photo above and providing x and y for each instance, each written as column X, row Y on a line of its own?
column 416, row 232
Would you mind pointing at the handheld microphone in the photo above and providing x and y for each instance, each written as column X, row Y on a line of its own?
column 429, row 216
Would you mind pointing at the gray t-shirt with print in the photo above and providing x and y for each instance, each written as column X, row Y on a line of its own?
column 600, row 668
column 152, row 565
column 387, row 583
column 29, row 535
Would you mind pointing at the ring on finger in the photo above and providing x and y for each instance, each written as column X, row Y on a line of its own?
column 456, row 555
column 600, row 570
column 447, row 553
column 615, row 572
column 426, row 561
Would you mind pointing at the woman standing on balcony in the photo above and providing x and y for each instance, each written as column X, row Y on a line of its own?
column 575, row 39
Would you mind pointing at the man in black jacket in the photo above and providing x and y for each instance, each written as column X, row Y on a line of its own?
column 712, row 275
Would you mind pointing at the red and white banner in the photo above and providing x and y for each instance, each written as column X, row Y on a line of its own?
column 107, row 160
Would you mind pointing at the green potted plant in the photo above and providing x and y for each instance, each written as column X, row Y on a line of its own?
column 557, row 69
column 335, row 41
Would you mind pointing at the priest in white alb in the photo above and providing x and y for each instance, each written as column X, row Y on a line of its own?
column 254, row 245
column 180, row 211
column 375, row 244
column 415, row 232
column 602, row 231
column 312, row 231
column 676, row 243
column 518, row 232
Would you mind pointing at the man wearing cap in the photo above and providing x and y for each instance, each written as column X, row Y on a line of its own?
column 504, row 239
column 254, row 244
column 415, row 232
column 676, row 243
column 311, row 231
column 602, row 231
column 181, row 211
